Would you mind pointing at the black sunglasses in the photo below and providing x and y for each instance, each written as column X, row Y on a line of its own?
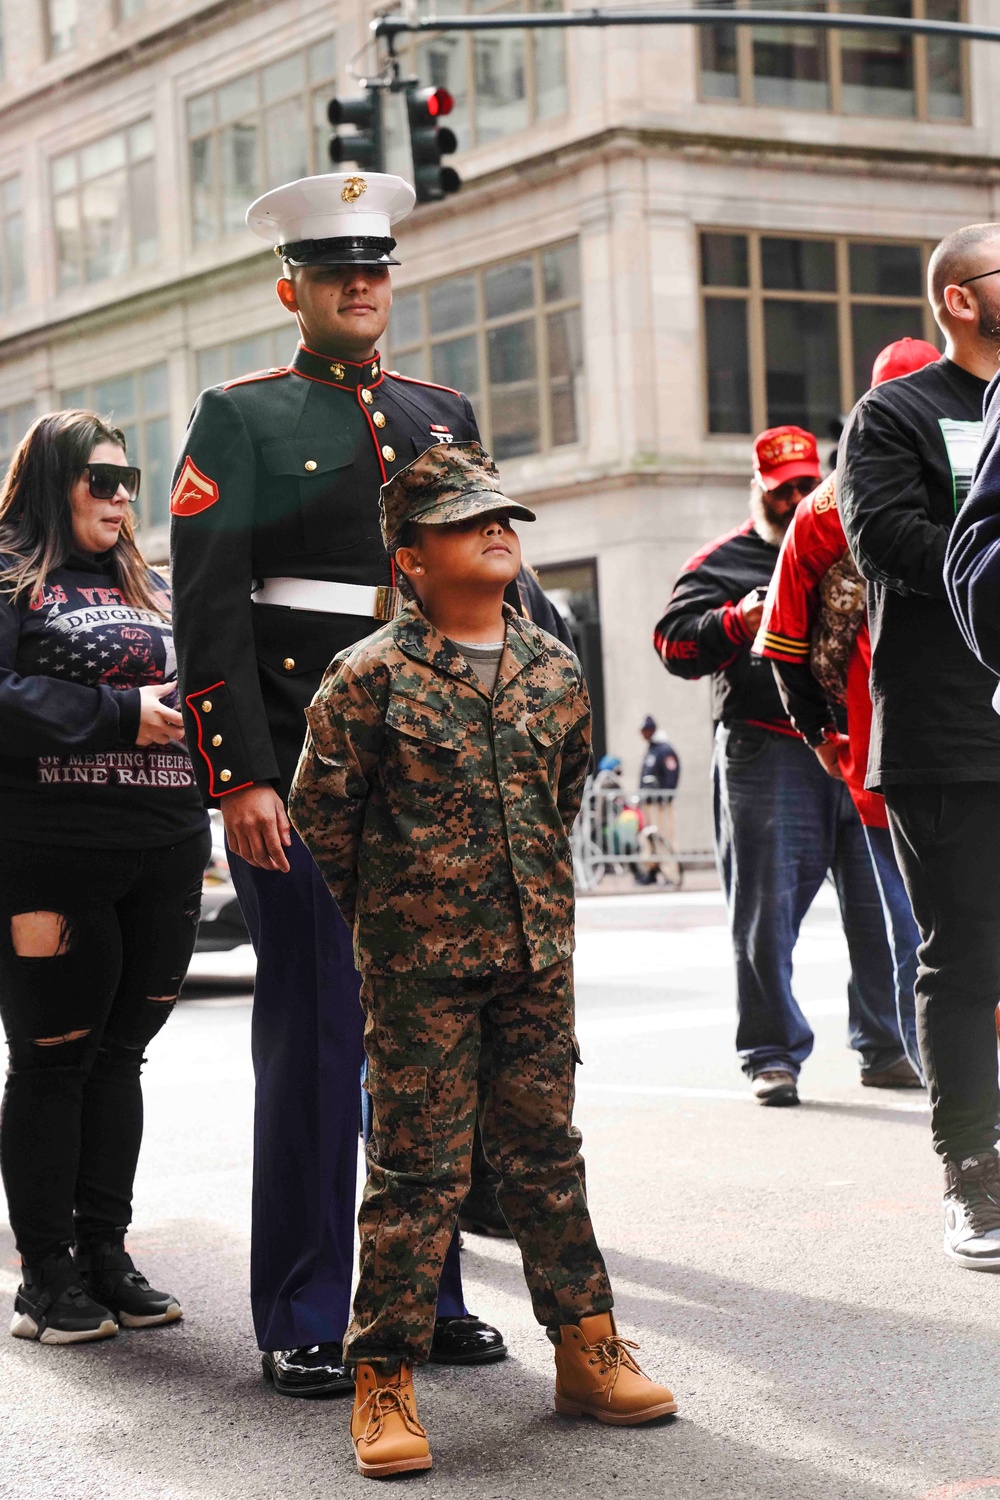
column 803, row 485
column 105, row 479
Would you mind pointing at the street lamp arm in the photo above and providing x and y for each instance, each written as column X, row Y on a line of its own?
column 393, row 26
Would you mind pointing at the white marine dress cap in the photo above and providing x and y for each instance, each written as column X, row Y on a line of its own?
column 339, row 219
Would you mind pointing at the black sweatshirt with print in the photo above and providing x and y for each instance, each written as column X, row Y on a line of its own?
column 906, row 462
column 72, row 661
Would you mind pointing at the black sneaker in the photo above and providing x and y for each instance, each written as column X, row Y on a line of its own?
column 108, row 1272
column 53, row 1307
column 972, row 1211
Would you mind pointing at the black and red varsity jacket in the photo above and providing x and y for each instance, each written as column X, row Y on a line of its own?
column 702, row 630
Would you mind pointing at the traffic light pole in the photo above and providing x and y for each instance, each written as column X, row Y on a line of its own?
column 390, row 27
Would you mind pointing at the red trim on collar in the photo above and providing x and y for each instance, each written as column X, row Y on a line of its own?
column 355, row 364
column 336, row 385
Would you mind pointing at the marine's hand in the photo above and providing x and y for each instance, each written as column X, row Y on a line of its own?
column 158, row 724
column 257, row 826
column 828, row 755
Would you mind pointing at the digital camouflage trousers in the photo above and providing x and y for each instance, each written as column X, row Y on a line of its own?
column 436, row 1049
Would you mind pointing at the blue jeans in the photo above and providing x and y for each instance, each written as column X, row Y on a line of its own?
column 781, row 823
column 903, row 937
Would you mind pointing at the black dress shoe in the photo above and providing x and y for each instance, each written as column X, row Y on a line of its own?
column 481, row 1214
column 317, row 1371
column 466, row 1341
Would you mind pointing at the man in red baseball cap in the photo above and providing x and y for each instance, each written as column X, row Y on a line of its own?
column 785, row 467
column 781, row 823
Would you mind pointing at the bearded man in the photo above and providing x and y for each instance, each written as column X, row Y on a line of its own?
column 781, row 823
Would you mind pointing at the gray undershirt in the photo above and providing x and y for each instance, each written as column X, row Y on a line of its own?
column 484, row 660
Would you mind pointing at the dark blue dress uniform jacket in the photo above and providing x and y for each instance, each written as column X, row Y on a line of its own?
column 279, row 477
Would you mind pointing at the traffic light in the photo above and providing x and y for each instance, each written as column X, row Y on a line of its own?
column 364, row 147
column 429, row 141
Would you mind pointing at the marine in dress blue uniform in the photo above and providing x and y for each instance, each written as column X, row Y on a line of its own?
column 278, row 564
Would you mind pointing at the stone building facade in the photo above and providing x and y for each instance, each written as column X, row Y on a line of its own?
column 665, row 239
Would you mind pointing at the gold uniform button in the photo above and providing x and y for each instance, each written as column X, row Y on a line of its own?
column 289, row 663
column 337, row 371
column 378, row 417
column 388, row 453
column 216, row 740
column 225, row 775
column 311, row 465
column 367, row 397
column 206, row 705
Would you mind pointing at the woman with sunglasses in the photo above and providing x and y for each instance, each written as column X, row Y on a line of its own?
column 103, row 843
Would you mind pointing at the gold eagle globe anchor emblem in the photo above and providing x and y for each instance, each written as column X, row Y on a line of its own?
column 353, row 188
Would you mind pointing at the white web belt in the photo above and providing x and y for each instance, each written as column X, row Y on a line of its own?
column 327, row 598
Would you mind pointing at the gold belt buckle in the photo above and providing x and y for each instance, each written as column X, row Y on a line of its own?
column 388, row 603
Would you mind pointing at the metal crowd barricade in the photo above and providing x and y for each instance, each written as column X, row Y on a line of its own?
column 620, row 831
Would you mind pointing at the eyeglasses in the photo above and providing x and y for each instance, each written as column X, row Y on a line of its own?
column 804, row 485
column 105, row 480
column 979, row 277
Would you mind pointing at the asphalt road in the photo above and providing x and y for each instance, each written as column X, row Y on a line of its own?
column 782, row 1271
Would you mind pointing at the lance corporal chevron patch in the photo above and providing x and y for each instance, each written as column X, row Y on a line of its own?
column 193, row 492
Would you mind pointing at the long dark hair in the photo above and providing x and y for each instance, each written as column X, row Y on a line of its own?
column 36, row 524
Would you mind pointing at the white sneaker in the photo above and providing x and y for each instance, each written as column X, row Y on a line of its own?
column 972, row 1212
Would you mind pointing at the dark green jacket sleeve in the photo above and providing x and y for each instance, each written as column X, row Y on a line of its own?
column 212, row 515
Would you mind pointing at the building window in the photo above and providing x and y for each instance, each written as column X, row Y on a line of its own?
column 63, row 18
column 256, row 132
column 139, row 404
column 848, row 72
column 12, row 278
column 104, row 204
column 572, row 588
column 792, row 325
column 508, row 336
column 262, row 351
column 501, row 81
column 14, row 423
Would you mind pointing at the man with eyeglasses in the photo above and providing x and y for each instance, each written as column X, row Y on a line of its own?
column 780, row 822
column 906, row 463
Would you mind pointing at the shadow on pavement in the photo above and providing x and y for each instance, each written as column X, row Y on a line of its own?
column 182, row 1414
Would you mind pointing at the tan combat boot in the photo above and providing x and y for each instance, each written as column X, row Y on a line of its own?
column 388, row 1439
column 596, row 1376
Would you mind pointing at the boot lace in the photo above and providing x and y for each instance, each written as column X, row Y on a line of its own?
column 383, row 1401
column 612, row 1353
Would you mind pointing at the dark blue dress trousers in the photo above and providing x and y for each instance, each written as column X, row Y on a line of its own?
column 307, row 1043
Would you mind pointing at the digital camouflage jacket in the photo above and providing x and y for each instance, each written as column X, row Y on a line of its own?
column 440, row 817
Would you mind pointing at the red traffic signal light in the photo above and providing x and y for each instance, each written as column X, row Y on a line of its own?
column 439, row 102
column 429, row 141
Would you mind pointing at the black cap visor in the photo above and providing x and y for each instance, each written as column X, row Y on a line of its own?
column 362, row 251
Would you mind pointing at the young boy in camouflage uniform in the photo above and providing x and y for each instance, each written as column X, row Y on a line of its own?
column 441, row 774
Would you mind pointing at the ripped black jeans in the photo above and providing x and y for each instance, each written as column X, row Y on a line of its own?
column 94, row 945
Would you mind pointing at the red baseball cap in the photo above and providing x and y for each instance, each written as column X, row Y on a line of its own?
column 902, row 358
column 783, row 453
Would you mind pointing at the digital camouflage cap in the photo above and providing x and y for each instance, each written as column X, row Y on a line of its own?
column 447, row 483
